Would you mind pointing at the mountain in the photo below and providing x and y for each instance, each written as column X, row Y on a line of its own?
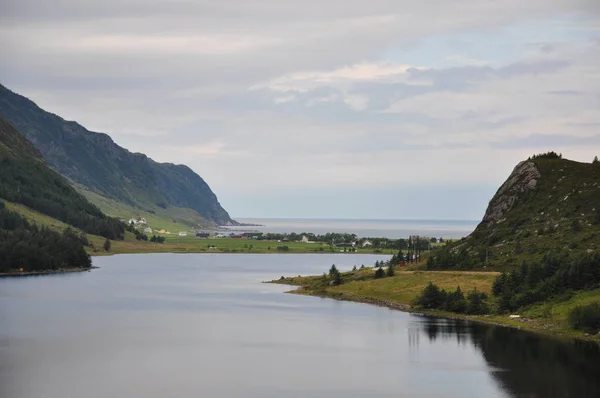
column 97, row 162
column 26, row 179
column 547, row 203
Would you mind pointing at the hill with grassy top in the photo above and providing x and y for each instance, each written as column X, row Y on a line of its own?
column 97, row 162
column 547, row 203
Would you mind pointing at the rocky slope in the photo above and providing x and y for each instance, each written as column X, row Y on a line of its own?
column 546, row 203
column 97, row 162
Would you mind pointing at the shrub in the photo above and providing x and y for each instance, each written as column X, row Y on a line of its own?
column 586, row 318
column 380, row 273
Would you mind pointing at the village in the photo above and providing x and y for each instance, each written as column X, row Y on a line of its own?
column 236, row 240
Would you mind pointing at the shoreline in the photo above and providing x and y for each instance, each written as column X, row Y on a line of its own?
column 186, row 250
column 18, row 274
column 523, row 324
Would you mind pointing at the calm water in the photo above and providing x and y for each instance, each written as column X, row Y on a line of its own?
column 204, row 326
column 365, row 228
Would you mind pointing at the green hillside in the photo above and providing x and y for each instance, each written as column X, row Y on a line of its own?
column 547, row 203
column 95, row 161
column 26, row 179
column 173, row 219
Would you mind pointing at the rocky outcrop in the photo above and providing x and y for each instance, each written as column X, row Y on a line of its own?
column 524, row 178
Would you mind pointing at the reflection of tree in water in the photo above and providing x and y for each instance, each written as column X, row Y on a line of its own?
column 448, row 329
column 526, row 364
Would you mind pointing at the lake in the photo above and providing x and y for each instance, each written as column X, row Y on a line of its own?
column 203, row 325
column 392, row 229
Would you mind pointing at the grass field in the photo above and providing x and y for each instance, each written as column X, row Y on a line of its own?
column 260, row 246
column 400, row 290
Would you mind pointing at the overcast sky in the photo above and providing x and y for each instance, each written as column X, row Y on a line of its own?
column 329, row 108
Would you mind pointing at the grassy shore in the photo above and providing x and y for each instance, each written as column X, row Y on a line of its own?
column 191, row 244
column 398, row 292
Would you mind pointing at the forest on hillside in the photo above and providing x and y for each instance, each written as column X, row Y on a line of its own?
column 27, row 180
column 26, row 246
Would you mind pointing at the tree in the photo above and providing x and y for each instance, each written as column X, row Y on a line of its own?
column 432, row 297
column 455, row 301
column 391, row 271
column 337, row 279
column 107, row 244
column 596, row 161
column 333, row 270
column 334, row 274
column 476, row 303
column 380, row 273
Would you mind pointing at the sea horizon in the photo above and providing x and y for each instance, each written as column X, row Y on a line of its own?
column 357, row 219
column 373, row 228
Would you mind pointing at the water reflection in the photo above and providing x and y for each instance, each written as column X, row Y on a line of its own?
column 154, row 326
column 523, row 364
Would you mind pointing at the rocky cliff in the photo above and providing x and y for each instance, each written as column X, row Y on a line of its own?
column 524, row 178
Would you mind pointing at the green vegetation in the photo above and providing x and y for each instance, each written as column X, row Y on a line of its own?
column 401, row 289
column 434, row 298
column 173, row 219
column 26, row 247
column 412, row 245
column 95, row 161
column 26, row 179
column 555, row 278
column 551, row 205
column 586, row 318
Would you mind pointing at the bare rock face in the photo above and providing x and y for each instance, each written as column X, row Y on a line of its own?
column 524, row 177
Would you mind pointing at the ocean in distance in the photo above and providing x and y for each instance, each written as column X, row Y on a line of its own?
column 392, row 229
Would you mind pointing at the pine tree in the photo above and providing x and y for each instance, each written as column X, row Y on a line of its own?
column 107, row 245
column 380, row 273
column 333, row 270
column 391, row 270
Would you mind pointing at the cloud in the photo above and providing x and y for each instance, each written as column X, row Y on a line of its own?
column 313, row 95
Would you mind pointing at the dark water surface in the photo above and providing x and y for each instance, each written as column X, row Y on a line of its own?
column 173, row 325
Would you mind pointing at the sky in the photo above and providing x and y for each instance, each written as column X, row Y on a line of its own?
column 324, row 109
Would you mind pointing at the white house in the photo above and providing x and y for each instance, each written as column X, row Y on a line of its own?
column 183, row 234
column 142, row 220
column 132, row 221
column 367, row 243
column 148, row 230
